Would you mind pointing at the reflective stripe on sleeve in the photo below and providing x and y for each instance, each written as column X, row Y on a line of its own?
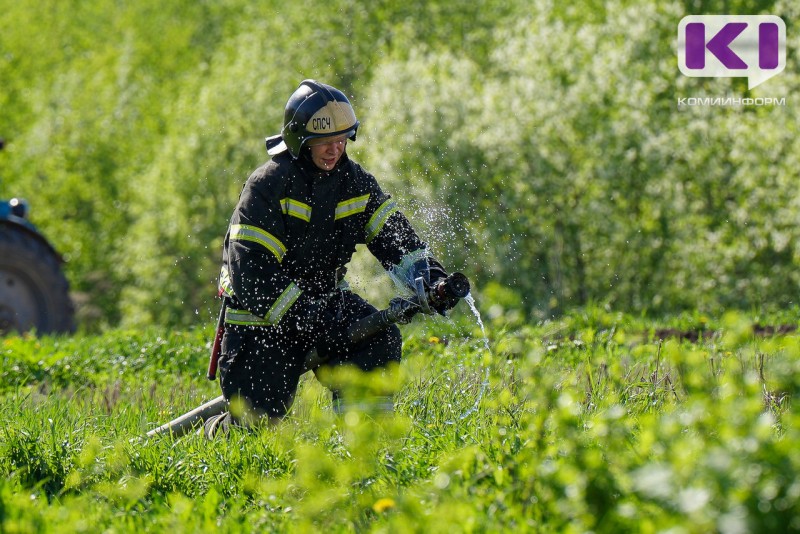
column 351, row 206
column 225, row 281
column 283, row 303
column 274, row 315
column 379, row 218
column 295, row 208
column 244, row 232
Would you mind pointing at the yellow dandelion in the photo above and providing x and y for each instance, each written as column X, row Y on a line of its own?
column 384, row 504
column 433, row 339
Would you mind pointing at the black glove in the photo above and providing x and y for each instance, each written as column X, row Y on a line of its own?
column 401, row 310
column 432, row 274
column 430, row 270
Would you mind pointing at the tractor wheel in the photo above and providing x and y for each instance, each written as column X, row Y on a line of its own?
column 34, row 294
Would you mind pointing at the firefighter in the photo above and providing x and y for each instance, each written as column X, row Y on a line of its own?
column 294, row 229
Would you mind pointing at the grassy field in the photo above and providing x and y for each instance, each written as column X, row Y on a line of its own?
column 589, row 423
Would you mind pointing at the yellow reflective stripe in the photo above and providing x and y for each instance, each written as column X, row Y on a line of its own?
column 283, row 303
column 378, row 219
column 274, row 315
column 295, row 208
column 244, row 318
column 351, row 206
column 225, row 281
column 245, row 232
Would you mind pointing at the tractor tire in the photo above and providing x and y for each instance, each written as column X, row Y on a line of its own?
column 34, row 294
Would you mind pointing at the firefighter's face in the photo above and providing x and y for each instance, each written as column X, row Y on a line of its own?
column 326, row 151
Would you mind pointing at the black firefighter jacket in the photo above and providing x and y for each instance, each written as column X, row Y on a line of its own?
column 294, row 230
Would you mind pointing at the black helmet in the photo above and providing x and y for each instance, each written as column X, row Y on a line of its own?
column 314, row 110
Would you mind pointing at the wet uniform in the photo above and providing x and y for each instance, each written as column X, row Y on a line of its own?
column 292, row 233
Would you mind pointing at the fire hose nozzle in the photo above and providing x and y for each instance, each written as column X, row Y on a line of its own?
column 449, row 291
column 455, row 286
column 444, row 294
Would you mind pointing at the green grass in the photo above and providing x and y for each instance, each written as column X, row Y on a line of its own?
column 589, row 423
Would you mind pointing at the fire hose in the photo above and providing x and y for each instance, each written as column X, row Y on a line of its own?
column 401, row 310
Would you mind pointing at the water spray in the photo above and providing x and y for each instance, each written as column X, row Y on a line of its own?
column 442, row 295
column 470, row 300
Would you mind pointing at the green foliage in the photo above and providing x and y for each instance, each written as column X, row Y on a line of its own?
column 594, row 186
column 588, row 423
column 536, row 146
